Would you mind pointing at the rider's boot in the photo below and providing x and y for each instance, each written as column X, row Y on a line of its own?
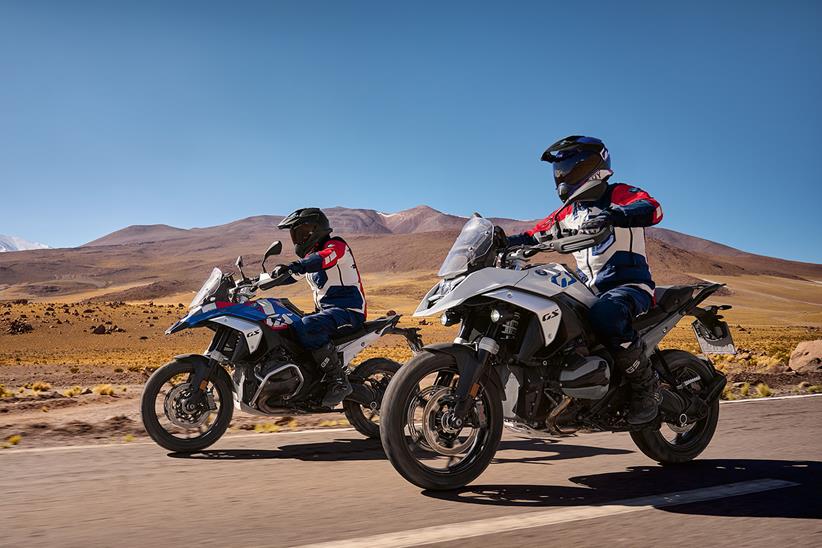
column 329, row 361
column 636, row 366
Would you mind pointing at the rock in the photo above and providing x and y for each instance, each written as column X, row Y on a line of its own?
column 99, row 330
column 807, row 358
column 18, row 327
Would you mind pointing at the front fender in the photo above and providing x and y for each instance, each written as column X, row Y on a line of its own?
column 466, row 360
column 203, row 369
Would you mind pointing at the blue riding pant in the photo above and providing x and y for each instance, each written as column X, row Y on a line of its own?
column 612, row 315
column 315, row 330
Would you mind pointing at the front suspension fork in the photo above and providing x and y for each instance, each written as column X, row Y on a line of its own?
column 468, row 384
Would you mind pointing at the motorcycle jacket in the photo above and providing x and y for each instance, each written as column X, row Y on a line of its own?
column 619, row 260
column 332, row 274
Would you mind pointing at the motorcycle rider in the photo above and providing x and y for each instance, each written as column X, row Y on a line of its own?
column 617, row 269
column 329, row 268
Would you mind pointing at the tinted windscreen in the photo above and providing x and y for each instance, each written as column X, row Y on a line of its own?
column 474, row 241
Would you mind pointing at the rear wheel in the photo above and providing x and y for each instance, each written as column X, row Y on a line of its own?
column 176, row 422
column 375, row 374
column 415, row 429
column 673, row 443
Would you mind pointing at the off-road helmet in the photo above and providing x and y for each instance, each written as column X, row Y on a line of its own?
column 582, row 166
column 308, row 227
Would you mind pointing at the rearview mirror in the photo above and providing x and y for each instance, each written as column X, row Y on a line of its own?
column 274, row 249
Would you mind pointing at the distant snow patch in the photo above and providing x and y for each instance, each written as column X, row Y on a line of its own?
column 16, row 243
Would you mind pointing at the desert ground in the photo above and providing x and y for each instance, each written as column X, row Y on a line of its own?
column 62, row 382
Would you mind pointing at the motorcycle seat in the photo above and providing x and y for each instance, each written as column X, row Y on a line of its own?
column 368, row 327
column 671, row 297
column 668, row 299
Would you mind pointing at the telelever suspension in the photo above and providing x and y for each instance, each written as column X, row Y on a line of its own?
column 467, row 391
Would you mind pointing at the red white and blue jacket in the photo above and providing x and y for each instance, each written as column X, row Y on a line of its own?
column 332, row 274
column 620, row 260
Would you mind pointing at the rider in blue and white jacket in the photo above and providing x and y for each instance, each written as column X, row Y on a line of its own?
column 328, row 266
column 616, row 270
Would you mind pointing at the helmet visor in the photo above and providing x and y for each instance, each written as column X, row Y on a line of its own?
column 576, row 169
column 301, row 233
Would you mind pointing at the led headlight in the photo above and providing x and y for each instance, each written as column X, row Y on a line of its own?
column 496, row 315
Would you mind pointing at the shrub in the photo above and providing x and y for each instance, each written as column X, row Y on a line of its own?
column 763, row 390
column 40, row 386
column 745, row 389
column 103, row 390
column 73, row 391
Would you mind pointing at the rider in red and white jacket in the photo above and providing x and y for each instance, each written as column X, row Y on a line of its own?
column 617, row 269
column 328, row 266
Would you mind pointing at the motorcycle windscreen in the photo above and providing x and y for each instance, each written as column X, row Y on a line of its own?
column 474, row 241
column 208, row 289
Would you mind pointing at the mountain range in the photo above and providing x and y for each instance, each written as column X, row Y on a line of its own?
column 152, row 261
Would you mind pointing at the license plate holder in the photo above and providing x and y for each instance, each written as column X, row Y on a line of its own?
column 716, row 339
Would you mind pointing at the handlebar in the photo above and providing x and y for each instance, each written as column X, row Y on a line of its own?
column 248, row 286
column 575, row 240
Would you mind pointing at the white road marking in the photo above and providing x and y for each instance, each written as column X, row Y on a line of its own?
column 774, row 398
column 15, row 451
column 505, row 524
column 12, row 451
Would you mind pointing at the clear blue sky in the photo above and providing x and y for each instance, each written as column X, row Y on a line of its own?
column 199, row 113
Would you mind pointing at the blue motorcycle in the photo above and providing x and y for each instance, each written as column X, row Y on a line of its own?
column 255, row 364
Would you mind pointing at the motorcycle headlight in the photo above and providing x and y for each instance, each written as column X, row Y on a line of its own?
column 449, row 318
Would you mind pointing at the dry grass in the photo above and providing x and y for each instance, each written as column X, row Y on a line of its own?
column 39, row 386
column 12, row 441
column 73, row 391
column 103, row 390
column 763, row 390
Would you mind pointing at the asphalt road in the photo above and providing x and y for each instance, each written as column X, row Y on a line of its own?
column 758, row 484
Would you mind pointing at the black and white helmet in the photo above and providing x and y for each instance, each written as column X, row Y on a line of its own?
column 582, row 166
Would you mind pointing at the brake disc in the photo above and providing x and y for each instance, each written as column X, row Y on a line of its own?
column 174, row 412
column 440, row 437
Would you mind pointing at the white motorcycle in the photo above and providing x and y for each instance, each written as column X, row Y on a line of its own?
column 526, row 357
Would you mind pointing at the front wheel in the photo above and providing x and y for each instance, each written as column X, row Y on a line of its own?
column 672, row 443
column 376, row 374
column 417, row 436
column 173, row 419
